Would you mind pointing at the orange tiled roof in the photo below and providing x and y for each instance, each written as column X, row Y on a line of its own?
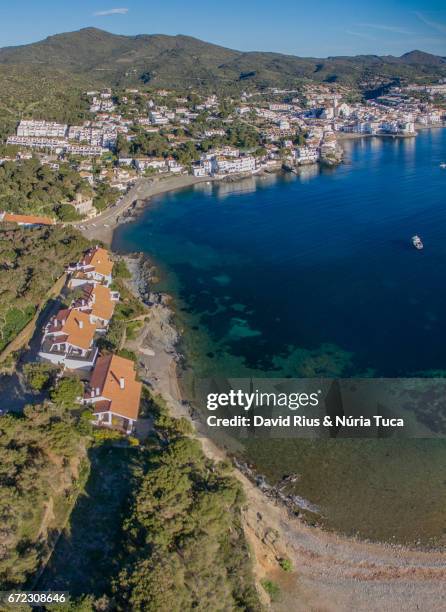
column 106, row 375
column 28, row 219
column 99, row 259
column 75, row 326
column 102, row 306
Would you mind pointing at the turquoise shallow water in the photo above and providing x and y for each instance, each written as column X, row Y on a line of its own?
column 315, row 274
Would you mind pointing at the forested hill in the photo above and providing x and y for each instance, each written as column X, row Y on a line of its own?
column 182, row 61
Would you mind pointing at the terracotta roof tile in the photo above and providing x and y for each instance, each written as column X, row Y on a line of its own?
column 75, row 325
column 106, row 376
column 28, row 219
column 99, row 259
column 102, row 305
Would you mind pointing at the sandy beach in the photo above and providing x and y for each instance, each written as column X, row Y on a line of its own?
column 102, row 226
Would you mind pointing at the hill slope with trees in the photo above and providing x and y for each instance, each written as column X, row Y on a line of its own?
column 183, row 61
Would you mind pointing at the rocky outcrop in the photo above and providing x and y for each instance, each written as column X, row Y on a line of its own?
column 333, row 158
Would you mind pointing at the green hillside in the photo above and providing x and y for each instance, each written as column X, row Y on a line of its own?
column 182, row 61
column 46, row 79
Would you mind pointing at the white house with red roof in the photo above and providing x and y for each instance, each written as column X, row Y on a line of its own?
column 25, row 220
column 98, row 301
column 114, row 393
column 95, row 267
column 68, row 340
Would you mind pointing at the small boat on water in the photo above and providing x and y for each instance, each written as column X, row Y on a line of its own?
column 443, row 165
column 416, row 241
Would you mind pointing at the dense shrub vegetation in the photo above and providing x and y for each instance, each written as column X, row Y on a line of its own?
column 184, row 547
column 156, row 527
column 30, row 262
column 29, row 187
column 42, row 462
column 40, row 93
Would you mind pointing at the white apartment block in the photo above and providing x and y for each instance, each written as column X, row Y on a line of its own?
column 53, row 144
column 174, row 166
column 226, row 151
column 157, row 118
column 234, row 166
column 37, row 142
column 306, row 155
column 80, row 149
column 42, row 128
column 103, row 137
column 205, row 167
column 143, row 163
column 280, row 107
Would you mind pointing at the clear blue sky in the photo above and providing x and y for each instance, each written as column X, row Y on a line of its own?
column 310, row 27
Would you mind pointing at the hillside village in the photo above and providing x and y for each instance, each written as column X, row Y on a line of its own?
column 134, row 133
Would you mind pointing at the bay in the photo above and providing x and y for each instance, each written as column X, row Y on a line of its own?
column 315, row 275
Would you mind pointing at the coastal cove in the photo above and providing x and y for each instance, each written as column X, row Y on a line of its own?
column 335, row 242
column 312, row 275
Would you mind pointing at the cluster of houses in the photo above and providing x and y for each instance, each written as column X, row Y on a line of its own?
column 398, row 112
column 157, row 164
column 295, row 127
column 70, row 341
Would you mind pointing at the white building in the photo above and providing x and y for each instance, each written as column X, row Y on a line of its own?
column 157, row 163
column 87, row 149
column 42, row 128
column 306, row 155
column 68, row 340
column 205, row 167
column 157, row 118
column 95, row 267
column 38, row 142
column 98, row 301
column 226, row 151
column 114, row 393
column 280, row 107
column 234, row 166
column 174, row 166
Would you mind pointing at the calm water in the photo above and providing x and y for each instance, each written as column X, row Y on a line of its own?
column 314, row 274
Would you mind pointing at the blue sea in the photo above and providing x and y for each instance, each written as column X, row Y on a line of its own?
column 314, row 274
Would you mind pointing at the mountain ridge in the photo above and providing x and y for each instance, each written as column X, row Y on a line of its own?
column 183, row 60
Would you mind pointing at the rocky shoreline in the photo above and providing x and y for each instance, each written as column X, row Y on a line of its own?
column 156, row 342
column 277, row 523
